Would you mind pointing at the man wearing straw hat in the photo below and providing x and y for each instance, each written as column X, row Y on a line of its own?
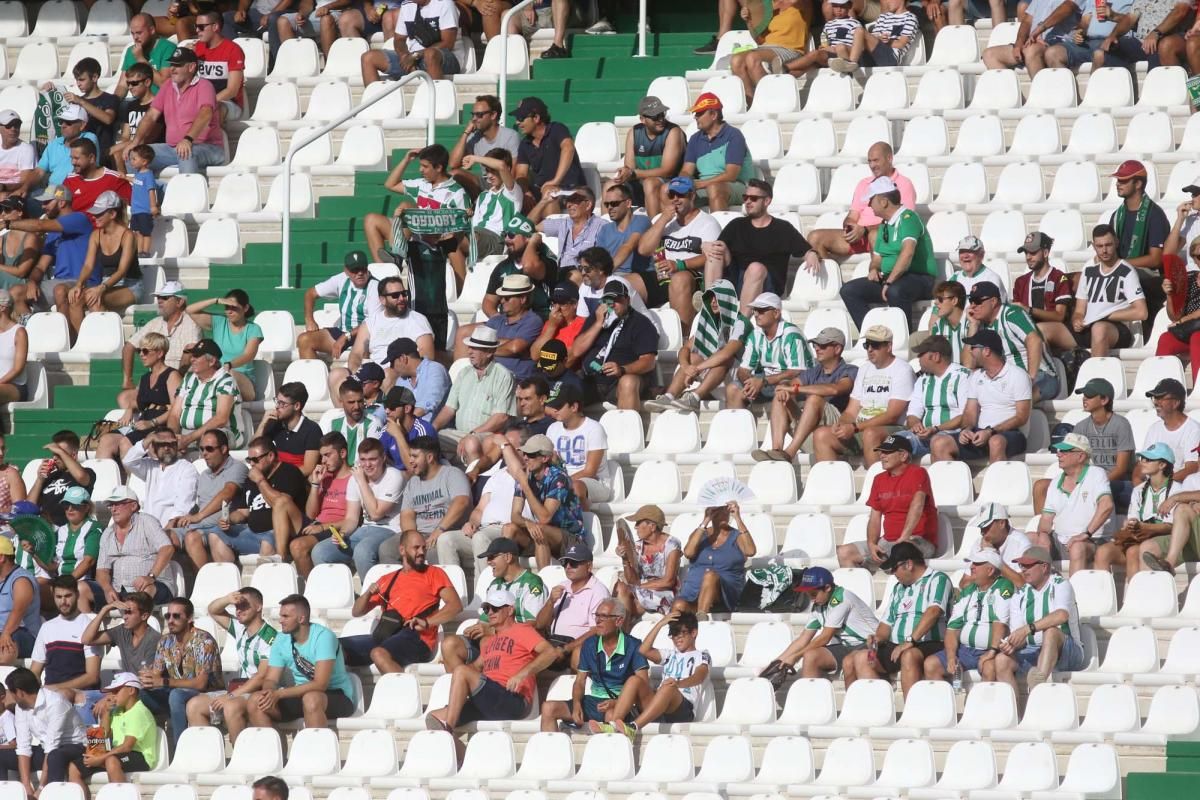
column 481, row 399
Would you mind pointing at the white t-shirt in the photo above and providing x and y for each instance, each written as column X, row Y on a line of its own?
column 1015, row 545
column 440, row 14
column 500, row 489
column 387, row 489
column 15, row 159
column 681, row 666
column 874, row 388
column 1182, row 441
column 982, row 275
column 998, row 397
column 492, row 209
column 1107, row 292
column 382, row 330
column 573, row 446
column 62, row 630
column 1073, row 512
column 1144, row 501
column 684, row 241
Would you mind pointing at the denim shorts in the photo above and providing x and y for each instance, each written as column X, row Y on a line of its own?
column 968, row 657
column 395, row 71
column 141, row 223
column 243, row 541
column 1069, row 660
column 1080, row 54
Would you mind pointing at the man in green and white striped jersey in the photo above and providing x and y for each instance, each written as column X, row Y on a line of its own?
column 979, row 621
column 357, row 294
column 840, row 626
column 939, row 395
column 913, row 626
column 950, row 315
column 208, row 399
column 354, row 422
column 776, row 353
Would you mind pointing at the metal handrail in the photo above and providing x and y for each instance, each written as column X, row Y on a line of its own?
column 504, row 20
column 430, row 135
column 641, row 53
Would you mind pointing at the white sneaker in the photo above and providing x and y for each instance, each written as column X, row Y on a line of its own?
column 602, row 26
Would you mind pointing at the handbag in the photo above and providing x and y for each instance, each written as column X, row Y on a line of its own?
column 391, row 620
column 421, row 30
column 99, row 429
column 1184, row 331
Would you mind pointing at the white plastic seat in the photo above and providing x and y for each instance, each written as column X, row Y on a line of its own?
column 547, row 757
column 48, row 330
column 257, row 751
column 1149, row 596
column 185, row 195
column 842, row 183
column 1154, row 369
column 1036, row 135
column 214, row 580
column 809, row 701
column 673, row 432
column 1006, row 482
column 343, row 59
column 1148, row 134
column 388, row 109
column 979, row 136
column 1132, row 650
column 748, row 701
column 864, row 131
column 1095, row 592
column 1019, row 184
column 314, row 374
column 929, row 705
column 885, row 90
column 490, row 755
column 255, row 51
column 716, row 636
column 830, row 483
column 732, row 430
column 786, row 760
column 100, row 333
column 278, row 101
column 764, row 641
column 62, row 790
column 809, row 288
column 672, row 90
column 1030, row 767
column 924, row 137
column 237, row 193
column 362, row 148
column 297, row 58
column 991, row 705
column 963, row 184
column 443, row 102
column 703, row 473
column 200, row 749
column 13, row 21
column 329, row 587
column 939, row 90
column 946, row 229
column 1092, row 134
column 1003, row 231
column 1092, row 771
column 1174, row 714
column 954, row 46
column 666, row 759
column 813, row 137
column 654, row 482
column 88, row 49
column 119, row 791
column 773, row 482
column 1108, row 87
column 830, row 93
column 763, row 139
column 275, row 581
column 1112, row 708
column 57, row 19
column 37, row 62
column 596, row 142
column 1110, row 369
column 996, row 90
column 970, row 765
column 797, row 185
column 908, row 764
column 730, row 90
column 430, row 754
column 1052, row 89
column 849, row 761
column 217, row 242
column 492, row 62
column 317, row 153
column 775, row 94
column 808, row 536
column 257, row 147
column 313, row 753
column 624, row 430
column 606, row 757
column 396, row 698
column 726, row 759
column 867, row 703
column 1075, row 182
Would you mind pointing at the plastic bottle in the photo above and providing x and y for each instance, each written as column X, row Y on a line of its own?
column 957, row 683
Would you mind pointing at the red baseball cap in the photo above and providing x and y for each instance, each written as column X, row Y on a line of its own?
column 1130, row 169
column 705, row 102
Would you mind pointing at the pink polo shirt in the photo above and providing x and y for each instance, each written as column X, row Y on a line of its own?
column 578, row 609
column 866, row 217
column 180, row 109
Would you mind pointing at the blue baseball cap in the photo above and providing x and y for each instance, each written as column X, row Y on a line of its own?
column 683, row 185
column 1159, row 451
column 815, row 578
column 22, row 508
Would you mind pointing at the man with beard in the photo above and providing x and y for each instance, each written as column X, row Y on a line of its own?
column 480, row 401
column 134, row 552
column 187, row 663
column 653, row 155
column 436, row 499
column 223, row 64
column 65, row 248
column 296, row 437
column 1044, row 292
column 135, row 640
column 270, row 508
column 1142, row 227
column 357, row 294
column 427, row 379
column 676, row 243
column 546, row 158
column 171, row 481
column 216, row 488
column 46, row 715
column 327, row 505
column 1023, row 342
column 355, row 424
column 89, row 179
column 424, row 598
column 527, row 253
column 59, row 656
column 208, row 399
column 619, row 350
column 621, row 237
column 395, row 319
column 484, row 135
column 547, row 488
column 403, row 425
column 149, row 49
column 253, row 638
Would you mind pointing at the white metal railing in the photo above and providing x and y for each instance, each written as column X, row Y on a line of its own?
column 430, row 135
column 504, row 20
column 641, row 53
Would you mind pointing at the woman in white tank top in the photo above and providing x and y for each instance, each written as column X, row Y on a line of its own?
column 14, row 347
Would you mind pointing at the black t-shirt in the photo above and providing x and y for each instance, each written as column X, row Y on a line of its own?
column 543, row 158
column 104, row 133
column 56, row 485
column 1157, row 229
column 287, row 479
column 132, row 113
column 541, row 426
column 292, row 445
column 635, row 338
column 771, row 246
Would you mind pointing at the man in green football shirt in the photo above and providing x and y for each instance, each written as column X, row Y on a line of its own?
column 979, row 621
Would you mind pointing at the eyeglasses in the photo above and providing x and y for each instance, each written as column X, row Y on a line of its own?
column 137, row 82
column 608, row 616
column 511, row 235
column 208, row 448
column 612, row 203
column 753, row 198
column 255, row 459
column 395, row 295
column 478, row 114
column 283, row 401
column 874, row 345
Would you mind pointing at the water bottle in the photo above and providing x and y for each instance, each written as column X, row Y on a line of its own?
column 957, row 682
column 225, row 511
column 216, row 717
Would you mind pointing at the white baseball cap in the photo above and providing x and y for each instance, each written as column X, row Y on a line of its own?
column 767, row 300
column 72, row 113
column 881, row 185
column 986, row 555
column 498, row 598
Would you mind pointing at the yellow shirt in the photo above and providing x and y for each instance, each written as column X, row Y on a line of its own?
column 788, row 29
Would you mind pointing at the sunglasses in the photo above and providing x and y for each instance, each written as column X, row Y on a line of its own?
column 753, row 198
column 147, row 350
column 655, row 118
column 571, row 564
column 823, row 345
column 511, row 235
column 255, row 459
column 675, row 195
column 137, row 82
column 167, row 444
column 874, row 345
column 395, row 295
column 612, row 203
column 15, row 124
column 488, row 608
column 478, row 114
column 978, row 301
column 944, row 299
column 242, row 607
column 208, row 448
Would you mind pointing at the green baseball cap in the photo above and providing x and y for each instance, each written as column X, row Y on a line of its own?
column 519, row 223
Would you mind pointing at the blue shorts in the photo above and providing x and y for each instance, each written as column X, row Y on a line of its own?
column 591, row 709
column 1047, row 385
column 1069, row 660
column 920, row 447
column 491, row 701
column 162, row 593
column 1014, row 443
column 968, row 657
column 243, row 541
column 1080, row 54
column 396, row 71
column 141, row 223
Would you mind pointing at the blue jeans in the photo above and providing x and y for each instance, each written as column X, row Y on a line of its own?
column 203, row 156
column 364, row 549
column 90, row 698
column 175, row 702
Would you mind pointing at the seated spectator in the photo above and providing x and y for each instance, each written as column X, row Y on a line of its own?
column 653, row 155
column 999, row 402
column 1044, row 292
column 620, row 238
column 55, row 163
column 187, row 663
column 1043, row 620
column 836, row 49
column 170, row 481
column 997, row 533
column 546, row 158
column 146, row 407
column 374, row 491
column 939, row 396
column 684, row 686
column 254, row 17
column 208, row 399
column 326, row 505
column 552, row 364
column 815, row 398
column 971, row 269
column 597, row 268
column 527, row 253
column 99, row 105
column 423, row 598
column 609, row 677
column 902, row 267
column 841, row 625
column 1157, row 36
column 775, row 355
column 14, row 352
column 511, row 656
column 267, row 512
column 48, row 716
column 569, row 616
column 784, row 40
column 1146, row 528
column 1178, row 508
column 716, row 157
column 649, row 574
column 1086, row 45
column 577, row 231
column 430, row 43
column 496, row 203
column 234, row 334
column 885, row 41
column 557, row 526
column 306, row 677
column 1079, row 506
column 148, row 48
column 223, row 64
column 978, row 622
column 1043, row 24
column 565, row 322
column 134, row 551
column 402, row 425
column 532, row 418
column 902, row 509
column 59, row 658
column 753, row 250
column 111, row 278
column 857, row 234
column 394, row 319
column 1174, row 428
column 1182, row 338
column 717, row 552
column 253, row 638
column 436, row 498
column 357, row 293
column 297, row 439
column 68, row 238
column 76, row 548
column 173, row 323
column 619, row 354
column 480, row 401
column 19, row 253
column 1021, row 340
column 129, row 727
column 1187, row 214
column 1112, row 441
column 216, row 488
column 582, row 447
column 88, row 183
column 878, row 402
column 354, row 423
column 18, row 159
column 136, row 641
column 484, row 135
column 20, row 607
column 180, row 20
column 1108, row 298
column 58, row 474
column 192, row 120
column 516, row 327
column 134, row 108
column 914, row 623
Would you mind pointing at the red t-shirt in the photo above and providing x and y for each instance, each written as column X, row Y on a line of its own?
column 84, row 191
column 568, row 333
column 891, row 496
column 505, row 654
column 412, row 593
column 333, row 501
column 217, row 63
column 1054, row 290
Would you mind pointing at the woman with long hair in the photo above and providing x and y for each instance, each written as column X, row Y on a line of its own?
column 112, row 250
column 14, row 350
column 234, row 333
column 19, row 252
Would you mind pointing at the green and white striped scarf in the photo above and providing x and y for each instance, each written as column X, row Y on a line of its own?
column 715, row 331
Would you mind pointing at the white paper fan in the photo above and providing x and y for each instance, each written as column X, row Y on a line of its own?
column 722, row 490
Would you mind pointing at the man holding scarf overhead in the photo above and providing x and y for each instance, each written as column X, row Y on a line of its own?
column 1142, row 227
